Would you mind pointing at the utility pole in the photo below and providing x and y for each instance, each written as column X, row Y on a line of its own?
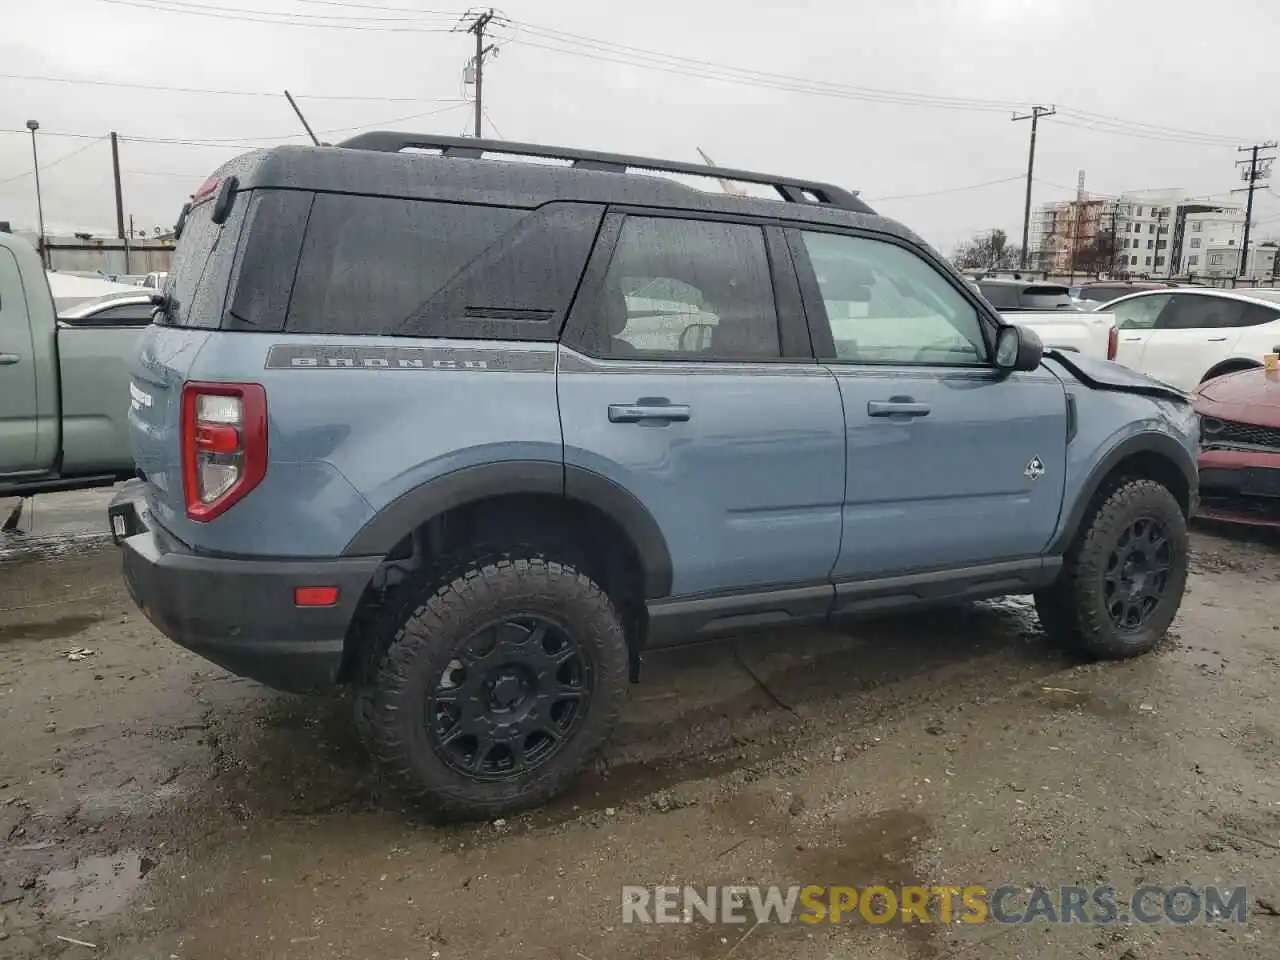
column 45, row 258
column 1113, row 260
column 1259, row 168
column 115, row 175
column 1034, row 116
column 477, row 26
column 1155, row 254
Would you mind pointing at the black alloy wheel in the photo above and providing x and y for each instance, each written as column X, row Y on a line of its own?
column 516, row 692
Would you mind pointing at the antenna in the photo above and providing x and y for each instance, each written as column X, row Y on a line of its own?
column 732, row 189
column 305, row 125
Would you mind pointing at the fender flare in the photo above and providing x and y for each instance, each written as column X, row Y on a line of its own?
column 469, row 484
column 1158, row 443
column 1230, row 365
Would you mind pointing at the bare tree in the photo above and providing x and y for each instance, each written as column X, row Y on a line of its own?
column 989, row 250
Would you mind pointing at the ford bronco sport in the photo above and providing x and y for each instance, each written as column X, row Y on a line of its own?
column 470, row 433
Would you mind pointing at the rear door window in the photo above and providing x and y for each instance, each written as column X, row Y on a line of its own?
column 371, row 264
column 1191, row 311
column 196, row 288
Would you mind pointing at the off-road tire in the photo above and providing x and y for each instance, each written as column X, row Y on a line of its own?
column 1073, row 611
column 432, row 631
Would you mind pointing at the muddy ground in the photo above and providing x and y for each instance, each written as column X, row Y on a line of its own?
column 156, row 807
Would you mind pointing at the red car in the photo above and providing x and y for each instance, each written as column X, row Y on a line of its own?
column 1240, row 447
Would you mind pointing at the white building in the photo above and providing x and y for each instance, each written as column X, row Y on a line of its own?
column 1168, row 234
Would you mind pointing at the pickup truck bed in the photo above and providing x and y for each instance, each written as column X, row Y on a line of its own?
column 1088, row 333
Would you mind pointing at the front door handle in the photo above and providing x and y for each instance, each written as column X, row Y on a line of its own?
column 8, row 359
column 660, row 410
column 897, row 407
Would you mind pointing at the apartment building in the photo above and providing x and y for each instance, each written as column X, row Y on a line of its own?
column 1153, row 234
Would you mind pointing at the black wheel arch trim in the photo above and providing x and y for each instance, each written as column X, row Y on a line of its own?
column 1232, row 365
column 1157, row 443
column 469, row 484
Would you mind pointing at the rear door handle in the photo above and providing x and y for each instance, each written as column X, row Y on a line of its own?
column 1131, row 339
column 8, row 359
column 1217, row 339
column 897, row 408
column 661, row 410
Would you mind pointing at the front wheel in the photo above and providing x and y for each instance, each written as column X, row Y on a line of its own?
column 1123, row 578
column 499, row 687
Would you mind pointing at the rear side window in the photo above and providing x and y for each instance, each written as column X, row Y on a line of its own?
column 196, row 288
column 370, row 264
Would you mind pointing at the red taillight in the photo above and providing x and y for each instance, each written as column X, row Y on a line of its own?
column 1113, row 342
column 224, row 445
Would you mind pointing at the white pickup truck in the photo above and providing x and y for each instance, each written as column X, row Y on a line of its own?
column 1049, row 310
column 1091, row 334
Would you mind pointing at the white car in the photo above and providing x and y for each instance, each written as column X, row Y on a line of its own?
column 1186, row 336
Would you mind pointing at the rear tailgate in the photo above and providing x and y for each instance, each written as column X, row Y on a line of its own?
column 1088, row 333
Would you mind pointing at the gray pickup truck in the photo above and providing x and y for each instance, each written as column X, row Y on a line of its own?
column 64, row 383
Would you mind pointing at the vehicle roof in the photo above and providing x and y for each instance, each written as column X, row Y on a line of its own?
column 423, row 176
column 1267, row 296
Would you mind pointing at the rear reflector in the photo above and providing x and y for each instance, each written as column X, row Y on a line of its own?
column 315, row 596
column 1113, row 342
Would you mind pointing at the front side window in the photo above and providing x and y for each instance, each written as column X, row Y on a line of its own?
column 885, row 304
column 688, row 289
column 1140, row 313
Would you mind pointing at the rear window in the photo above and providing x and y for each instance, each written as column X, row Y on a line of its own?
column 1003, row 296
column 1046, row 297
column 369, row 264
column 196, row 287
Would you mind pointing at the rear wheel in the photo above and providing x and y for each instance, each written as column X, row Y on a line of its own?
column 1123, row 579
column 500, row 685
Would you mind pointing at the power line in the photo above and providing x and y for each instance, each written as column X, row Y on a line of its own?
column 937, row 193
column 637, row 56
column 274, row 94
column 53, row 163
column 287, row 20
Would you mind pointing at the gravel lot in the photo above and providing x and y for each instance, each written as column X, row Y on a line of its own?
column 156, row 807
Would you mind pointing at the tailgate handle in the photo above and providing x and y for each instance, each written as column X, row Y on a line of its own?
column 8, row 359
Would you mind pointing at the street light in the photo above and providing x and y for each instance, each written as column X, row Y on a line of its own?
column 33, row 126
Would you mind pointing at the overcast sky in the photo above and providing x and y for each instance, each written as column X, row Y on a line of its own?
column 649, row 78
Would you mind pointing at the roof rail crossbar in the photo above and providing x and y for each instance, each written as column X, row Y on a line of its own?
column 788, row 188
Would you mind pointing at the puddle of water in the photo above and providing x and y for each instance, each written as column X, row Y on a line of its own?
column 57, row 629
column 96, row 886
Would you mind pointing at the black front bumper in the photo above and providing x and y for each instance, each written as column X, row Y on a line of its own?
column 239, row 613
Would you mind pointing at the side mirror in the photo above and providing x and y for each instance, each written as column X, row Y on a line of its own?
column 1018, row 348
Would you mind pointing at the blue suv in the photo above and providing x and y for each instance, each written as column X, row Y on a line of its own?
column 469, row 433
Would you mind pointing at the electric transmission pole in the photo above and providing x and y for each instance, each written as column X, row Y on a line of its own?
column 1259, row 168
column 1034, row 116
column 479, row 22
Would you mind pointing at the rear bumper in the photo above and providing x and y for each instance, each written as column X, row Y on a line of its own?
column 1240, row 486
column 239, row 613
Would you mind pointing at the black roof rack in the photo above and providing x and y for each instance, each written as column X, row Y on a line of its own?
column 790, row 189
